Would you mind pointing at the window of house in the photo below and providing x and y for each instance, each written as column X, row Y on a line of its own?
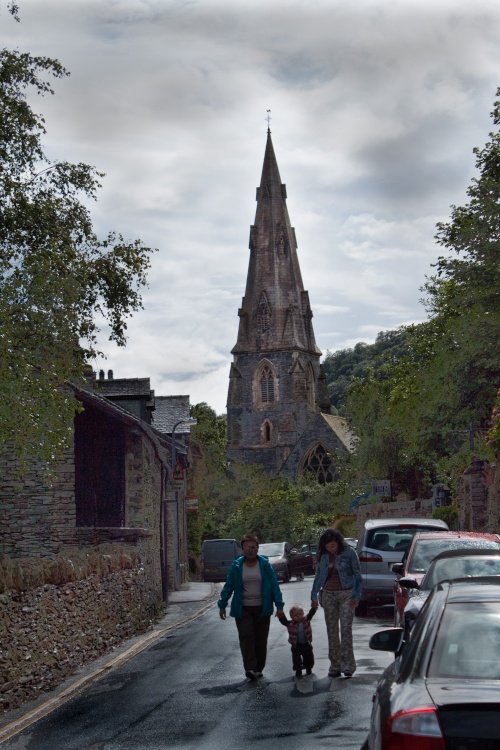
column 99, row 470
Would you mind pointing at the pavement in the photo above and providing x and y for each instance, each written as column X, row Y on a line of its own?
column 183, row 606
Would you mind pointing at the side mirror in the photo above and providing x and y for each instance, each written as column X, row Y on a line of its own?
column 293, row 551
column 387, row 640
column 398, row 568
column 408, row 583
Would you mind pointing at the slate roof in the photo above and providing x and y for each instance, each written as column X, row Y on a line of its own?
column 124, row 387
column 169, row 410
column 340, row 427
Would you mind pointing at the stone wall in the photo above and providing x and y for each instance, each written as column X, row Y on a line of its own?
column 48, row 632
column 37, row 514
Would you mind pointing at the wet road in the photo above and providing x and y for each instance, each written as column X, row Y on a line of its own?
column 188, row 691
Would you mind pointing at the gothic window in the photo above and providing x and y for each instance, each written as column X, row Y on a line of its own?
column 320, row 465
column 266, row 386
column 263, row 315
column 311, row 396
column 266, row 431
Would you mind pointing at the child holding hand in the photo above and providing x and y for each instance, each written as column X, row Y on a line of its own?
column 300, row 638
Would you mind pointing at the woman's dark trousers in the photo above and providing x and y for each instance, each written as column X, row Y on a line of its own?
column 253, row 630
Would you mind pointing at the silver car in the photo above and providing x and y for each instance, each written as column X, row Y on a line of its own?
column 382, row 543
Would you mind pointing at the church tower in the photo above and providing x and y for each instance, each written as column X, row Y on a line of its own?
column 277, row 388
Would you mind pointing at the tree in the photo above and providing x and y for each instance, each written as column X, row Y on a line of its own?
column 56, row 276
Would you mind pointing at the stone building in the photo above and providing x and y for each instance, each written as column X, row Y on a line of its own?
column 278, row 408
column 114, row 485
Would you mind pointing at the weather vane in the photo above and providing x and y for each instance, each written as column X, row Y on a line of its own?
column 268, row 118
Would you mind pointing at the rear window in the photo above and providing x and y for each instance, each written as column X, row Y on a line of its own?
column 427, row 549
column 468, row 642
column 391, row 538
column 219, row 549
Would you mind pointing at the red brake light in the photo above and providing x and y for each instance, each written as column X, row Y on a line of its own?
column 415, row 729
column 370, row 557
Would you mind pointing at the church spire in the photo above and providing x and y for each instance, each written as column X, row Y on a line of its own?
column 275, row 314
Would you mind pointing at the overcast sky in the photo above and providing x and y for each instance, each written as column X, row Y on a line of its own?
column 376, row 107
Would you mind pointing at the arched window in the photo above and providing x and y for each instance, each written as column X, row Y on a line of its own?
column 263, row 315
column 311, row 394
column 266, row 385
column 320, row 465
column 266, row 431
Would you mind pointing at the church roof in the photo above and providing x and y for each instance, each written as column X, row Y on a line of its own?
column 340, row 427
column 275, row 314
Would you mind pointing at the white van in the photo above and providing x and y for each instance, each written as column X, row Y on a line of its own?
column 216, row 557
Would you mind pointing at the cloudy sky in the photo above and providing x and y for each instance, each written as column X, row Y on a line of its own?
column 376, row 106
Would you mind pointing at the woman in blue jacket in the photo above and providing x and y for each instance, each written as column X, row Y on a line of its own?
column 338, row 584
column 254, row 586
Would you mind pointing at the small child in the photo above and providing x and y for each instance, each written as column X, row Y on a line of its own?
column 300, row 636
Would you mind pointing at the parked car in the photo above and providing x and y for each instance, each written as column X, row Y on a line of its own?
column 216, row 557
column 447, row 566
column 287, row 561
column 442, row 690
column 351, row 541
column 424, row 547
column 382, row 543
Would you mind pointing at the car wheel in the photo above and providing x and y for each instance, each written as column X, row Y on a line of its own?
column 362, row 608
column 300, row 576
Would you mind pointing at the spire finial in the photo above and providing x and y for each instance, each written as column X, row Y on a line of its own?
column 268, row 118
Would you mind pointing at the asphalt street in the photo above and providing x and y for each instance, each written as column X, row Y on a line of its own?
column 183, row 687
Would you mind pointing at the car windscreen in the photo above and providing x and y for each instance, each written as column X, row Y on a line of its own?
column 460, row 567
column 427, row 549
column 271, row 549
column 468, row 642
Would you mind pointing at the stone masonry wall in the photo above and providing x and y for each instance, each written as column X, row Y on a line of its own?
column 48, row 632
column 37, row 517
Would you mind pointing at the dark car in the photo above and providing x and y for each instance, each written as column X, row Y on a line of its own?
column 287, row 561
column 442, row 692
column 447, row 566
column 424, row 547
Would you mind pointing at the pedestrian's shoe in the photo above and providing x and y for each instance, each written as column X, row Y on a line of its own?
column 251, row 674
column 298, row 673
column 347, row 674
column 259, row 674
column 333, row 672
column 308, row 671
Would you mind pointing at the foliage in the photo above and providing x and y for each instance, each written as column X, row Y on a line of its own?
column 448, row 513
column 344, row 366
column 56, row 276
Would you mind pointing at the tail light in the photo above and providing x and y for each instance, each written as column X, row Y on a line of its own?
column 415, row 729
column 370, row 557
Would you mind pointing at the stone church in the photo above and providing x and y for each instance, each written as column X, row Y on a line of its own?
column 278, row 408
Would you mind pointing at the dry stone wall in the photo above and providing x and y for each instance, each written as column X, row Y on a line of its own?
column 48, row 632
